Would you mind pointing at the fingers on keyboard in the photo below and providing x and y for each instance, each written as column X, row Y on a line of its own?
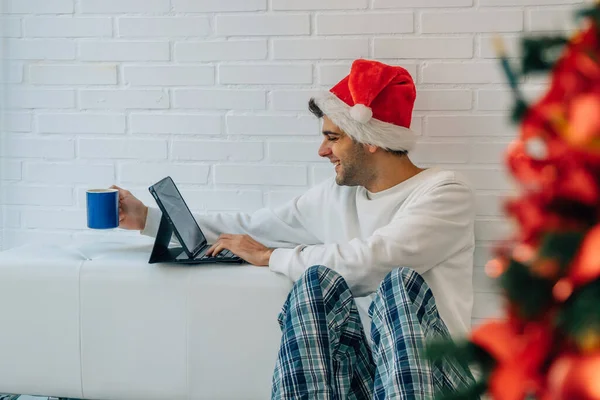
column 222, row 254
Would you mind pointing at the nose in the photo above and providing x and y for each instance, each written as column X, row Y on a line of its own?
column 325, row 148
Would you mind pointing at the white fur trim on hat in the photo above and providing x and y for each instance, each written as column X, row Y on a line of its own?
column 373, row 131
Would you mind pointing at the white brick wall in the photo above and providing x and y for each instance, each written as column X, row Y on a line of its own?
column 231, row 50
column 53, row 74
column 17, row 122
column 262, row 25
column 11, row 27
column 265, row 74
column 78, row 27
column 184, row 173
column 424, row 48
column 123, row 99
column 320, row 49
column 38, row 6
column 363, row 24
column 72, row 173
column 163, row 26
column 315, row 5
column 12, row 71
column 40, row 49
column 472, row 21
column 143, row 75
column 220, row 99
column 213, row 150
column 218, row 5
column 40, row 98
column 123, row 51
column 176, row 124
column 261, row 175
column 214, row 93
column 80, row 123
column 142, row 149
column 124, row 6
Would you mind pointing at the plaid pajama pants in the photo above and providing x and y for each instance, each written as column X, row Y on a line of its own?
column 324, row 352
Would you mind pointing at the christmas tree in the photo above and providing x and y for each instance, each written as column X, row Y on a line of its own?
column 548, row 344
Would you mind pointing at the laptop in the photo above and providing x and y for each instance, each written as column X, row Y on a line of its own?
column 178, row 219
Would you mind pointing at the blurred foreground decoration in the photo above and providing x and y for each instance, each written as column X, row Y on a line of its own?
column 548, row 345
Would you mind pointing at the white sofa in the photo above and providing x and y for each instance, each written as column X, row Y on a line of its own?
column 98, row 322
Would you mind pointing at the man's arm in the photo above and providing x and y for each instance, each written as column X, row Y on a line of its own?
column 282, row 227
column 440, row 225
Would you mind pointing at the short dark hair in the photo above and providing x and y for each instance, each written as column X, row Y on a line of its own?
column 317, row 112
column 314, row 108
column 399, row 153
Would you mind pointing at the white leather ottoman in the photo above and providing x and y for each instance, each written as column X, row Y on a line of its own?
column 105, row 324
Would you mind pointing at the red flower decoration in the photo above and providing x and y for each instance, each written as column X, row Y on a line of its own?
column 520, row 356
column 586, row 266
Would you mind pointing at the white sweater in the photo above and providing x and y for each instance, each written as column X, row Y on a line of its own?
column 425, row 223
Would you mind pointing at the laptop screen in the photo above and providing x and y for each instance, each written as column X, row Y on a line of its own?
column 180, row 214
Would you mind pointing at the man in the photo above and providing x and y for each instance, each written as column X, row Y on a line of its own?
column 375, row 246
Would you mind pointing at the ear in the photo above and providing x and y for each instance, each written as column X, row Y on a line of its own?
column 371, row 148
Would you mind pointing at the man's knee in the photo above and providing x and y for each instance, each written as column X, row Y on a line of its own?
column 322, row 282
column 406, row 283
column 317, row 283
column 402, row 276
column 404, row 289
column 317, row 271
column 305, row 288
column 317, row 274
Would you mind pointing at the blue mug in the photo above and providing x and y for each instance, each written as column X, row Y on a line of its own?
column 102, row 208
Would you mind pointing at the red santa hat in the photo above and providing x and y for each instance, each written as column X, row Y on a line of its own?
column 373, row 105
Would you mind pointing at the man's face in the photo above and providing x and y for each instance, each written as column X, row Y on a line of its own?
column 350, row 158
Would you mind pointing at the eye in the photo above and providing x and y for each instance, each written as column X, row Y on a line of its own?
column 332, row 138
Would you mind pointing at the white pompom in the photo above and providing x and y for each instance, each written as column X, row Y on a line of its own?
column 361, row 113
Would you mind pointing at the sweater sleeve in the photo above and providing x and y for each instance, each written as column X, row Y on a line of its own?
column 269, row 227
column 438, row 225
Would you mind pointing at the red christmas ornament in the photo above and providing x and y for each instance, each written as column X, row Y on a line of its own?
column 519, row 354
column 561, row 175
column 577, row 183
column 586, row 266
column 562, row 290
column 574, row 377
column 532, row 214
column 584, row 122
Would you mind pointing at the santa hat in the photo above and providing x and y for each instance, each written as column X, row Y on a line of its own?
column 373, row 105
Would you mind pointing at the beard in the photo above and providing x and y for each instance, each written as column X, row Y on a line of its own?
column 353, row 169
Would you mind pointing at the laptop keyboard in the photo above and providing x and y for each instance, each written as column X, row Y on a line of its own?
column 223, row 254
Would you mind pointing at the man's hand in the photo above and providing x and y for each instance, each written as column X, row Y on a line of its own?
column 244, row 247
column 132, row 212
